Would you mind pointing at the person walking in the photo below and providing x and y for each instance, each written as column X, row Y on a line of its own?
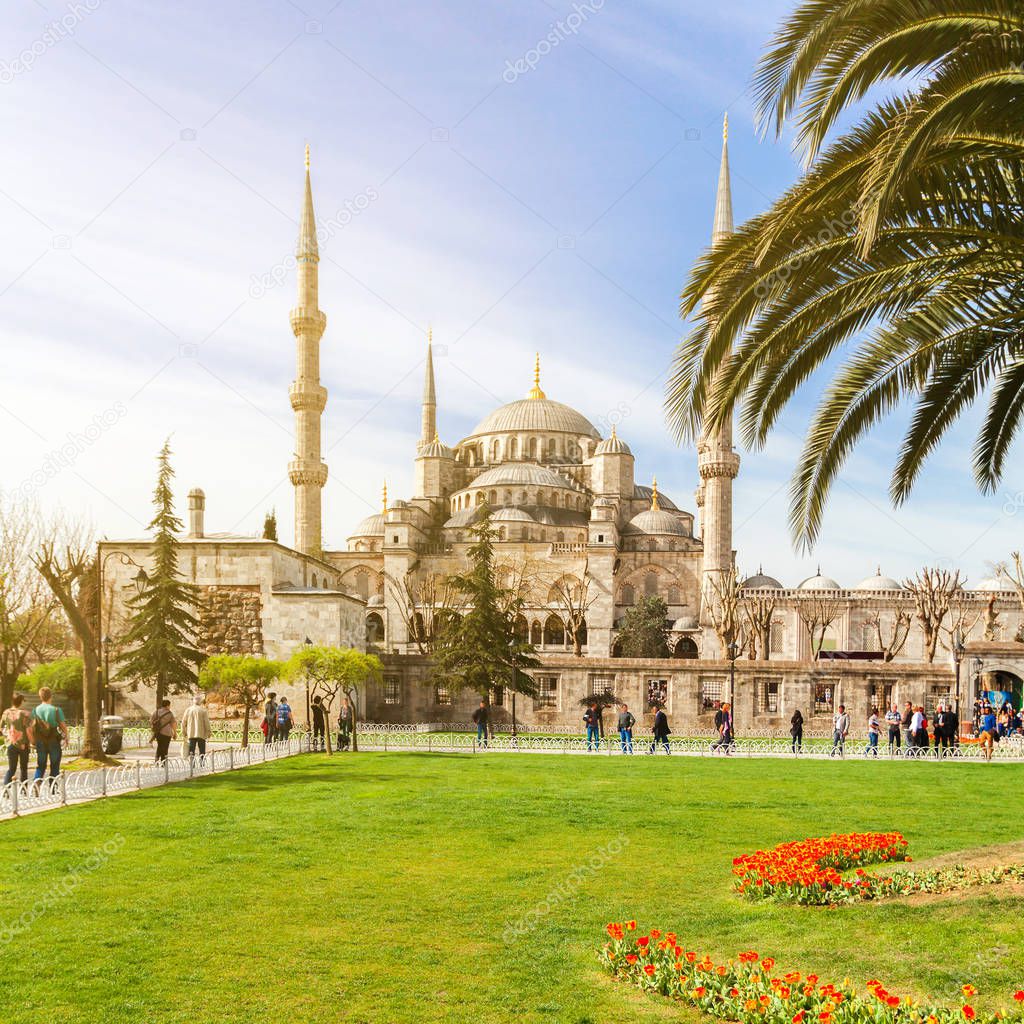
column 16, row 724
column 919, row 729
column 840, row 730
column 319, row 724
column 988, row 733
column 894, row 720
column 48, row 730
column 344, row 725
column 270, row 718
column 723, row 720
column 796, row 730
column 165, row 728
column 480, row 719
column 661, row 731
column 592, row 720
column 284, row 719
column 195, row 726
column 874, row 731
column 625, row 723
column 907, row 722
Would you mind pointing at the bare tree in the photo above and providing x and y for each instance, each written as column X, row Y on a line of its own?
column 817, row 614
column 758, row 613
column 423, row 600
column 964, row 615
column 66, row 561
column 1013, row 573
column 933, row 591
column 574, row 597
column 30, row 624
column 894, row 637
column 722, row 604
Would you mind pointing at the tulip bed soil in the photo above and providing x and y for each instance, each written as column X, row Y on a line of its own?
column 416, row 887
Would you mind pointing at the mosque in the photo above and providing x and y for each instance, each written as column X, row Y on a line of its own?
column 582, row 540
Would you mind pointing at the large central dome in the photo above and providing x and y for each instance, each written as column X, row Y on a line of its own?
column 537, row 414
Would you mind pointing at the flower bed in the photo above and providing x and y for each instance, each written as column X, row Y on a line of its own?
column 810, row 871
column 749, row 988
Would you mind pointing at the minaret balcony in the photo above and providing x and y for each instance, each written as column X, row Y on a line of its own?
column 305, row 395
column 712, row 463
column 307, row 320
column 307, row 471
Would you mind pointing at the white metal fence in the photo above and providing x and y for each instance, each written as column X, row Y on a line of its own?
column 62, row 789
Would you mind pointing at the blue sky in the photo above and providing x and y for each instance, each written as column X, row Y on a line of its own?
column 149, row 197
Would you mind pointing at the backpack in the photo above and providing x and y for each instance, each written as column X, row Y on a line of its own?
column 44, row 732
column 719, row 715
column 283, row 713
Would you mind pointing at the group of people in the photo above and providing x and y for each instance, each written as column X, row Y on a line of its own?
column 907, row 730
column 194, row 726
column 44, row 728
column 318, row 739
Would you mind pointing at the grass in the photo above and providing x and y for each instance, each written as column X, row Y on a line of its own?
column 378, row 887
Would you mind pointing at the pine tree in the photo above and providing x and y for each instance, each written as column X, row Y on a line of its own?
column 480, row 649
column 642, row 633
column 162, row 629
column 270, row 525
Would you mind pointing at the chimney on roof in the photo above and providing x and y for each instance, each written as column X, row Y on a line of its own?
column 196, row 512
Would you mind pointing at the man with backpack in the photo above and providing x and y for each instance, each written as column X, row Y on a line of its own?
column 164, row 729
column 48, row 729
column 319, row 724
column 284, row 719
column 592, row 720
column 480, row 721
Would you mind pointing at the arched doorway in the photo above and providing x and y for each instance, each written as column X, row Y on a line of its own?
column 374, row 628
column 999, row 685
column 685, row 648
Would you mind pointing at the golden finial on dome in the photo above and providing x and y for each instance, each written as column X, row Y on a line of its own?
column 654, row 495
column 437, row 440
column 307, row 156
column 535, row 391
column 384, row 497
column 614, row 438
column 430, row 334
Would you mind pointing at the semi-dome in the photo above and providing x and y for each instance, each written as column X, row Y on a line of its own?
column 685, row 622
column 819, row 582
column 879, row 582
column 371, row 526
column 435, row 449
column 656, row 521
column 520, row 474
column 760, row 581
column 464, row 517
column 612, row 446
column 374, row 601
column 511, row 515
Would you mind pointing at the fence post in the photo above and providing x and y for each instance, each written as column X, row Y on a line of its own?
column 231, row 758
column 103, row 779
column 191, row 766
column 385, row 742
column 15, row 786
column 138, row 775
column 167, row 769
column 63, row 786
column 428, row 742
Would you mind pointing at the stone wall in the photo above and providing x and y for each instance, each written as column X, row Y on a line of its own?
column 230, row 620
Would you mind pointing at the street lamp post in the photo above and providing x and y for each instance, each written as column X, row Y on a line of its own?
column 958, row 656
column 140, row 579
column 976, row 666
column 733, row 651
column 107, row 705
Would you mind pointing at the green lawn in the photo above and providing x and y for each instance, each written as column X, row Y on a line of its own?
column 379, row 887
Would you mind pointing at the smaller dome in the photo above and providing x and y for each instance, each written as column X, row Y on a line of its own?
column 656, row 521
column 685, row 622
column 759, row 581
column 371, row 526
column 612, row 446
column 435, row 449
column 879, row 582
column 994, row 584
column 465, row 517
column 374, row 601
column 819, row 582
column 512, row 515
column 518, row 474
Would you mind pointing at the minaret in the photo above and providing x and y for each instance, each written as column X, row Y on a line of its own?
column 306, row 471
column 717, row 463
column 428, row 429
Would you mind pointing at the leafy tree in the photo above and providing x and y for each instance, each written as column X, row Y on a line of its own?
column 481, row 648
column 162, row 628
column 270, row 525
column 62, row 676
column 240, row 679
column 908, row 224
column 334, row 672
column 643, row 633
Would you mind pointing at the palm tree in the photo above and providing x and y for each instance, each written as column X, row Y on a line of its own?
column 900, row 249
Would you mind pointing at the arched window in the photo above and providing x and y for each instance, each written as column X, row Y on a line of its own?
column 535, row 634
column 418, row 630
column 495, row 450
column 501, row 533
column 686, row 648
column 673, row 595
column 651, row 584
column 374, row 629
column 513, row 448
column 627, row 595
column 532, row 449
column 479, row 497
column 551, row 447
column 314, row 580
column 777, row 637
column 508, row 498
column 492, row 498
column 554, row 632
column 363, row 584
column 559, row 537
column 522, row 629
column 540, row 497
